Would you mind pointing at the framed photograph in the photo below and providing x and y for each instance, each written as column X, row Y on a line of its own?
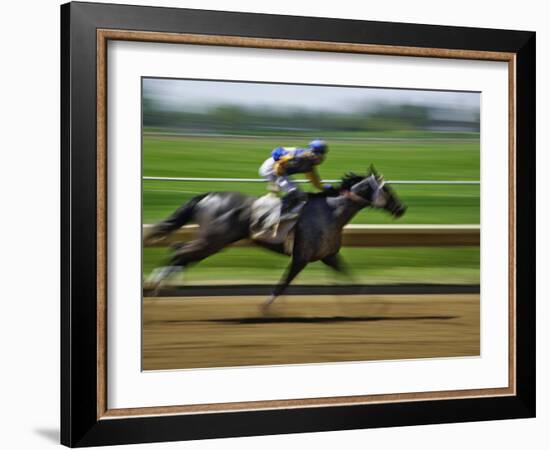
column 277, row 224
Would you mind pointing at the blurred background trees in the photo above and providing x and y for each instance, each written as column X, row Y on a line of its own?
column 240, row 119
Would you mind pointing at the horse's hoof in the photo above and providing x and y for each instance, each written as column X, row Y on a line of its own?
column 151, row 290
column 266, row 306
column 265, row 310
column 156, row 290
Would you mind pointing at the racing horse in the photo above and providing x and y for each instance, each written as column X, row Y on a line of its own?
column 225, row 218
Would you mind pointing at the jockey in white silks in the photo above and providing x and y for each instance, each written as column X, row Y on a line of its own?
column 286, row 161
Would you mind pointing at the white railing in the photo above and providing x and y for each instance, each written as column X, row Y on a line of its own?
column 261, row 180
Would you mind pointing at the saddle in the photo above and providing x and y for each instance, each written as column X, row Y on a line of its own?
column 266, row 225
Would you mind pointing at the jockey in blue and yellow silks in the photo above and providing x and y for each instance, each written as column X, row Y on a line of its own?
column 286, row 161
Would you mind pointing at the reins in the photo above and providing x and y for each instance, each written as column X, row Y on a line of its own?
column 355, row 198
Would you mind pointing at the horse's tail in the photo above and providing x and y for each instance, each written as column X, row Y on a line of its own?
column 177, row 219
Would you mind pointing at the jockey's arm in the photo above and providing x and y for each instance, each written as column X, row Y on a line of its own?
column 280, row 165
column 314, row 179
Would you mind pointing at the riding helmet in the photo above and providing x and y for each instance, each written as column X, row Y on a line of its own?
column 318, row 146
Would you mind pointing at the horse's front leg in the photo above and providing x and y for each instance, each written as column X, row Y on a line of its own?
column 295, row 267
column 336, row 263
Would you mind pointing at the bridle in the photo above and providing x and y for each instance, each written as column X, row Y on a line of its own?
column 356, row 198
column 376, row 191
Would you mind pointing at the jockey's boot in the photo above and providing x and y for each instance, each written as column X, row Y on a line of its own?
column 289, row 202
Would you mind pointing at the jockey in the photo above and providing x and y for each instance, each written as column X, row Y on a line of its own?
column 285, row 161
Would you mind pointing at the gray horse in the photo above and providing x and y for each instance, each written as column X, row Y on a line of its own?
column 225, row 218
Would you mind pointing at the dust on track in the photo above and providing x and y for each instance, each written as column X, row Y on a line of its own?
column 201, row 332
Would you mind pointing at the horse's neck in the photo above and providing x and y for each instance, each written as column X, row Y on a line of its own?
column 344, row 209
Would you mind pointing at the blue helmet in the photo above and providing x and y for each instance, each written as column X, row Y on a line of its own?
column 277, row 153
column 318, row 146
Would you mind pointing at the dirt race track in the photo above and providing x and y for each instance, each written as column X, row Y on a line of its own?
column 192, row 332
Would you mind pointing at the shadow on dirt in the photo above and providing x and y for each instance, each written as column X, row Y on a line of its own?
column 334, row 319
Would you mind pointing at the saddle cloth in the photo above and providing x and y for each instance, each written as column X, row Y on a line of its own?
column 265, row 221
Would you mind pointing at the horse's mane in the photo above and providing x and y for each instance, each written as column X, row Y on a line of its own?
column 349, row 179
column 346, row 182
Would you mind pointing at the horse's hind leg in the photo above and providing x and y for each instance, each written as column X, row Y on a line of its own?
column 295, row 267
column 158, row 275
column 191, row 252
column 195, row 251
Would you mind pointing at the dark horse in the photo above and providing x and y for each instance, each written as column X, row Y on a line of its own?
column 224, row 218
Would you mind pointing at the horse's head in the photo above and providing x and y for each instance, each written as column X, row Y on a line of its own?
column 374, row 192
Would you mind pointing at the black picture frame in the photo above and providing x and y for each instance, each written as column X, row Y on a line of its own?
column 80, row 425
